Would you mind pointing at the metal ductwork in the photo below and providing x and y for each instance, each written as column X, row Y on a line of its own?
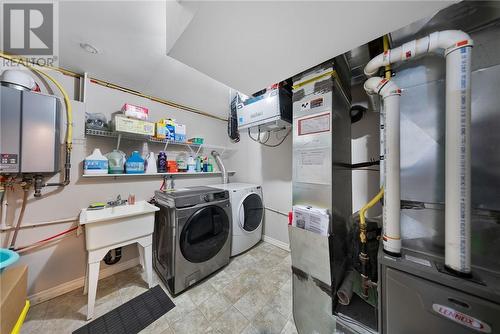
column 221, row 166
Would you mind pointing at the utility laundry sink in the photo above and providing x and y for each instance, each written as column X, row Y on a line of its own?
column 117, row 224
column 115, row 227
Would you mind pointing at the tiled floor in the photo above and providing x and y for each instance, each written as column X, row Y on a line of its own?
column 251, row 295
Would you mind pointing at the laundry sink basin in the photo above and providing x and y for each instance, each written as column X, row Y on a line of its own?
column 115, row 225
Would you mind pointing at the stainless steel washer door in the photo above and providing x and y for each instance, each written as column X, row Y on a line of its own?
column 204, row 234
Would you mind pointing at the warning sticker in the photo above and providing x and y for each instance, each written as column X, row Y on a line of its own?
column 311, row 104
column 314, row 124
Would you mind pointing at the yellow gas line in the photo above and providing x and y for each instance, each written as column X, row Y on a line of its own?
column 362, row 212
column 332, row 73
column 387, row 69
column 374, row 200
column 110, row 85
column 67, row 102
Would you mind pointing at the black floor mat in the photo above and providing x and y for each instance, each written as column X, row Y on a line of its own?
column 133, row 316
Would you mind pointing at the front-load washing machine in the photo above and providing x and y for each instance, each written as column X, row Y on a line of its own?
column 192, row 235
column 247, row 212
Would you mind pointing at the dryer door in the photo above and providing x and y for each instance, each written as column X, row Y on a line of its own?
column 251, row 212
column 204, row 234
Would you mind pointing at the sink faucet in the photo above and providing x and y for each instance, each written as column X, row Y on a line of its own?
column 117, row 202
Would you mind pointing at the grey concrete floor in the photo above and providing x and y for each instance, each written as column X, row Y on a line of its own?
column 252, row 295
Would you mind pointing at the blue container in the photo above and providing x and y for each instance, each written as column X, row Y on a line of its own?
column 198, row 166
column 134, row 164
column 7, row 257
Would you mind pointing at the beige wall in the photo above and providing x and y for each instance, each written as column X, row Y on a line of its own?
column 272, row 169
column 64, row 261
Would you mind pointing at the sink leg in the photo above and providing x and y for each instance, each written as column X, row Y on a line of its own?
column 86, row 283
column 148, row 264
column 141, row 257
column 93, row 277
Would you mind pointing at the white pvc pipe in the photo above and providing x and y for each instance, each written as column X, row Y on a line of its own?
column 447, row 40
column 458, row 161
column 390, row 94
column 457, row 46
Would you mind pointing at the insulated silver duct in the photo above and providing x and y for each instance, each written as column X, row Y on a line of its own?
column 221, row 166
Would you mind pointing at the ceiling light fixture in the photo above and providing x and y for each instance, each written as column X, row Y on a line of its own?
column 89, row 48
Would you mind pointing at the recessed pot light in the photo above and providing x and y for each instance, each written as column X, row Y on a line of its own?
column 89, row 48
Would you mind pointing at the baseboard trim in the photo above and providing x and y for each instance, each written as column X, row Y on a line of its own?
column 63, row 288
column 277, row 243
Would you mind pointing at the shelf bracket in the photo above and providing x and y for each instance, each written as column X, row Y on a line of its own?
column 199, row 149
column 118, row 141
column 191, row 149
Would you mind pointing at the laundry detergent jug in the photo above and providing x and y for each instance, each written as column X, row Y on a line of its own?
column 96, row 163
column 116, row 162
column 151, row 163
column 134, row 164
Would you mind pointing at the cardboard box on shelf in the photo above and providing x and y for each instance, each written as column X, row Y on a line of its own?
column 180, row 132
column 124, row 124
column 170, row 129
column 134, row 111
column 13, row 286
column 161, row 129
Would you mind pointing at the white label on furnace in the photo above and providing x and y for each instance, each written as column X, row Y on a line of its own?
column 314, row 124
column 312, row 166
column 312, row 157
column 418, row 260
column 315, row 220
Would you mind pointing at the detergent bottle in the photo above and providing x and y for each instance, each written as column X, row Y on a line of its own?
column 116, row 162
column 134, row 164
column 151, row 163
column 162, row 162
column 96, row 163
column 191, row 164
column 198, row 166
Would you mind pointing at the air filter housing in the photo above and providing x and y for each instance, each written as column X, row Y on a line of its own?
column 269, row 111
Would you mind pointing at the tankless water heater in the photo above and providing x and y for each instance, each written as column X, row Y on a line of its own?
column 29, row 132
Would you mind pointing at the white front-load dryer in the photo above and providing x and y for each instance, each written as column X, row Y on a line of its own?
column 247, row 209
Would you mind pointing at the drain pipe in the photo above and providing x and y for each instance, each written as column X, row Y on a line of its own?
column 221, row 166
column 457, row 45
column 390, row 94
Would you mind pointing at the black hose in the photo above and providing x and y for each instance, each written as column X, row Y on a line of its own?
column 365, row 164
column 357, row 165
column 357, row 113
column 110, row 260
column 265, row 142
column 232, row 122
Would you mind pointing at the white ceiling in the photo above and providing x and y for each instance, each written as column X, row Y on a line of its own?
column 132, row 40
column 243, row 45
column 249, row 45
